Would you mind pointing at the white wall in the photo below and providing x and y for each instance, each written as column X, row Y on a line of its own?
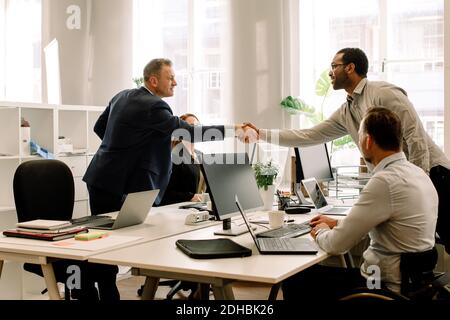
column 96, row 60
column 72, row 47
column 256, row 77
column 112, row 44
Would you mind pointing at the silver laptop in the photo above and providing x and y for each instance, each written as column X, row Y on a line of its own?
column 278, row 245
column 318, row 199
column 134, row 211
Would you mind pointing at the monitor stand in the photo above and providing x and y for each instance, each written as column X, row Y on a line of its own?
column 228, row 230
column 301, row 199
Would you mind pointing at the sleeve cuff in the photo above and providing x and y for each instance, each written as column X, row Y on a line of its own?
column 230, row 132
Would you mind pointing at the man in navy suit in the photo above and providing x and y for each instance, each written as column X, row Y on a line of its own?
column 136, row 131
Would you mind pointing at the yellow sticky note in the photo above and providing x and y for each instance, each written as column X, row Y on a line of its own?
column 90, row 235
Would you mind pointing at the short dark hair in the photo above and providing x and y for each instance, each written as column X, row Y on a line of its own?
column 385, row 127
column 153, row 68
column 358, row 58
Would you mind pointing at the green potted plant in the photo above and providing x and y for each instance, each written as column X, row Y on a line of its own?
column 139, row 81
column 265, row 174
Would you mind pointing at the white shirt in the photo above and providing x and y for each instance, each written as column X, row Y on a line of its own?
column 417, row 144
column 398, row 209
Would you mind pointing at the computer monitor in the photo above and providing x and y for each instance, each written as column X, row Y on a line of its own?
column 312, row 162
column 227, row 175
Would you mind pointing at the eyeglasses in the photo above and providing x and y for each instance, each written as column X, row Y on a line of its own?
column 335, row 65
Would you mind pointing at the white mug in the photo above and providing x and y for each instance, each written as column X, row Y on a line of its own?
column 276, row 219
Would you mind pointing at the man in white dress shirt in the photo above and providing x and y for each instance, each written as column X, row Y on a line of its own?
column 348, row 71
column 397, row 208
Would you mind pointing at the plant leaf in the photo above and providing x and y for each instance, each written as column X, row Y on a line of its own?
column 323, row 85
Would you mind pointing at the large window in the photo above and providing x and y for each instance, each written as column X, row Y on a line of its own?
column 20, row 50
column 192, row 33
column 404, row 41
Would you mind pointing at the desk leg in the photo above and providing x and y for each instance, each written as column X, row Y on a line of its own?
column 1, row 268
column 223, row 292
column 203, row 291
column 274, row 291
column 150, row 287
column 50, row 281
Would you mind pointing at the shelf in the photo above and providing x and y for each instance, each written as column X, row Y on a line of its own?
column 47, row 123
column 9, row 158
column 7, row 209
column 76, row 152
column 26, row 105
column 31, row 157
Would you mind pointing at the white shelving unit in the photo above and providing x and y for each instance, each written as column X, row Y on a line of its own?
column 47, row 122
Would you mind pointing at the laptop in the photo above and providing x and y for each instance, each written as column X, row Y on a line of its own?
column 318, row 198
column 278, row 245
column 134, row 211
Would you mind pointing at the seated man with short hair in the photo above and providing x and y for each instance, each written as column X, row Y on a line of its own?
column 397, row 208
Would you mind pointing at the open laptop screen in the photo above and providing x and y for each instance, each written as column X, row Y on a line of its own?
column 315, row 193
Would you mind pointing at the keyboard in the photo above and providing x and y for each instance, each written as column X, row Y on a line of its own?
column 288, row 231
column 88, row 219
column 275, row 244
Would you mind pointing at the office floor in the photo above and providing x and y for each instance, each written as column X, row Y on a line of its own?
column 242, row 291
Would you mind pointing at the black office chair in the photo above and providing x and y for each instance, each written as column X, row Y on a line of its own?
column 418, row 280
column 176, row 286
column 44, row 189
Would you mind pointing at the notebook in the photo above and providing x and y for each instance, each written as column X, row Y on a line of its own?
column 44, row 235
column 134, row 211
column 318, row 198
column 44, row 224
column 278, row 245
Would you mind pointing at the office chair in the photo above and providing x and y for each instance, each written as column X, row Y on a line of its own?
column 177, row 285
column 44, row 189
column 418, row 281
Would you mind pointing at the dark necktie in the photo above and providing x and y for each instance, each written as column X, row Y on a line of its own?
column 353, row 112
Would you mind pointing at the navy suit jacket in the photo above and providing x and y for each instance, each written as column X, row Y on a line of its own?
column 135, row 154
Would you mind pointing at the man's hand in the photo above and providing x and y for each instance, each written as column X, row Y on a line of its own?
column 331, row 223
column 317, row 228
column 246, row 133
column 252, row 126
column 196, row 198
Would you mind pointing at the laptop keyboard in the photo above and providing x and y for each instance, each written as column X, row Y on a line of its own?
column 275, row 244
column 288, row 231
column 88, row 219
column 106, row 225
column 336, row 210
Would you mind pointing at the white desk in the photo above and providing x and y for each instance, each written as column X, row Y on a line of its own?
column 161, row 222
column 161, row 259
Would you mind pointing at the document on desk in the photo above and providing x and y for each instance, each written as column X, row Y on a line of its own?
column 93, row 245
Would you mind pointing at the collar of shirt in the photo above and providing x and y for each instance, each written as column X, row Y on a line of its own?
column 148, row 90
column 388, row 160
column 360, row 87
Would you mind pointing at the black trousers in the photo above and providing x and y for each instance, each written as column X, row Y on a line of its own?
column 90, row 273
column 101, row 201
column 440, row 177
column 322, row 283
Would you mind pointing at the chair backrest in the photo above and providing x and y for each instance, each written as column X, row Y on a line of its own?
column 43, row 189
column 417, row 271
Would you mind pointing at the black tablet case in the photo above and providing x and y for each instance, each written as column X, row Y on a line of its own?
column 212, row 248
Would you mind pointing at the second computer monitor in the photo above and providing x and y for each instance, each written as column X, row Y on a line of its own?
column 313, row 162
column 228, row 175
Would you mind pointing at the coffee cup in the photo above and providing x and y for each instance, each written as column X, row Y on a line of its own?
column 276, row 219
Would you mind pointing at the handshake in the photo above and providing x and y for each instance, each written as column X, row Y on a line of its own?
column 247, row 132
